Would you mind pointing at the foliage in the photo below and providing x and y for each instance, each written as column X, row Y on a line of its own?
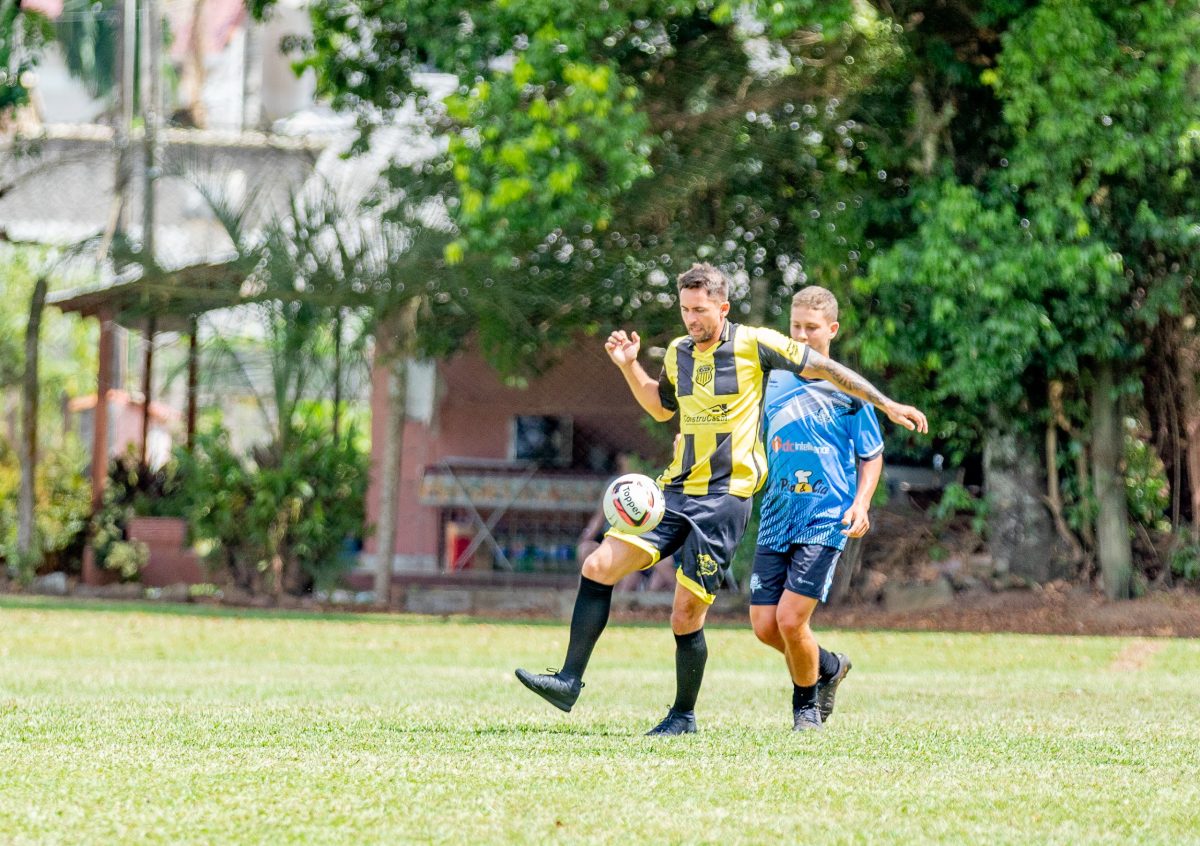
column 63, row 505
column 278, row 520
column 1146, row 487
column 979, row 314
column 593, row 151
column 127, row 558
column 61, row 508
column 22, row 35
column 90, row 35
column 67, row 362
column 1185, row 559
column 326, row 274
column 134, row 489
column 956, row 499
column 10, row 478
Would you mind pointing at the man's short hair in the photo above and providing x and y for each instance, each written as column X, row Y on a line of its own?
column 703, row 276
column 821, row 299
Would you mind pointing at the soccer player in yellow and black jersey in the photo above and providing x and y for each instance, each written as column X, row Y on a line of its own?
column 713, row 377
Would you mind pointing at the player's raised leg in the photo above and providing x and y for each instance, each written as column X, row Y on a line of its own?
column 612, row 561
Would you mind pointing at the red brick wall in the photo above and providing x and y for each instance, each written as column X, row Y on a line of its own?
column 472, row 419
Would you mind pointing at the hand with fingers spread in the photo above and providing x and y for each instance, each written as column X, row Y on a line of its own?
column 623, row 348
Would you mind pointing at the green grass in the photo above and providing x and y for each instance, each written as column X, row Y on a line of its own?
column 157, row 725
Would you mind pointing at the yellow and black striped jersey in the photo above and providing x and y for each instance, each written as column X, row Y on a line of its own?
column 718, row 394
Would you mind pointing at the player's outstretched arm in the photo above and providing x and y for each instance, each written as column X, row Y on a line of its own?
column 623, row 349
column 818, row 366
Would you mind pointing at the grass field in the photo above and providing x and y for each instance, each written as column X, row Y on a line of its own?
column 184, row 725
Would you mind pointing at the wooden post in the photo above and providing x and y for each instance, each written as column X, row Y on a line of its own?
column 27, row 493
column 91, row 573
column 395, row 339
column 192, row 366
column 151, row 118
column 337, row 374
column 147, row 386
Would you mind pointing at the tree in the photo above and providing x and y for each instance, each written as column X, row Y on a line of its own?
column 1120, row 168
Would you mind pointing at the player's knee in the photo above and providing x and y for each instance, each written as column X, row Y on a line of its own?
column 792, row 625
column 766, row 629
column 687, row 619
column 595, row 565
column 611, row 562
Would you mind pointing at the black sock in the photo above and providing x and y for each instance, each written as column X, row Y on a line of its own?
column 587, row 622
column 828, row 666
column 691, row 653
column 803, row 697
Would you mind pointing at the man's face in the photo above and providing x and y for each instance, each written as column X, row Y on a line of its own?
column 811, row 326
column 702, row 315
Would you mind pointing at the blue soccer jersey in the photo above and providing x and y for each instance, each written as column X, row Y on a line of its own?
column 814, row 435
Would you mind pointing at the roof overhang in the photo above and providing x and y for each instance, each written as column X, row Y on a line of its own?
column 173, row 298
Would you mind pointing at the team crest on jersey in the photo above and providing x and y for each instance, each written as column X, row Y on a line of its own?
column 703, row 375
column 706, row 564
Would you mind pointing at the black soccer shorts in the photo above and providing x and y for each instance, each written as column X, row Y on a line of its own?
column 702, row 532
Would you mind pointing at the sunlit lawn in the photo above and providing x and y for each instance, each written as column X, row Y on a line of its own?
column 181, row 725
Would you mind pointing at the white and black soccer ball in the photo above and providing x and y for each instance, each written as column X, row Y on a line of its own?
column 633, row 504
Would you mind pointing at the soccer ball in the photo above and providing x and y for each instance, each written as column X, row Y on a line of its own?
column 633, row 504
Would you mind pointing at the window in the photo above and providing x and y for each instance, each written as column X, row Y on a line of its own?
column 542, row 439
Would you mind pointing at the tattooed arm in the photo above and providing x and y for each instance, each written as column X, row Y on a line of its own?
column 818, row 366
column 776, row 350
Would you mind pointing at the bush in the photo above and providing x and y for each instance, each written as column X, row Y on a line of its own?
column 134, row 490
column 61, row 509
column 278, row 520
column 127, row 558
column 1185, row 559
column 1146, row 487
column 955, row 500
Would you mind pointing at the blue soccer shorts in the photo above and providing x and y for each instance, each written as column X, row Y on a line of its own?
column 803, row 568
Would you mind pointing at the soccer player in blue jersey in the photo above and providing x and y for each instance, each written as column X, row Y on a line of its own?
column 815, row 433
column 713, row 378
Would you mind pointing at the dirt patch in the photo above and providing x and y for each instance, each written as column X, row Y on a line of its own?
column 1136, row 655
column 1075, row 611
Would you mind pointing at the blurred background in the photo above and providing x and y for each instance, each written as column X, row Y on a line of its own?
column 309, row 298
